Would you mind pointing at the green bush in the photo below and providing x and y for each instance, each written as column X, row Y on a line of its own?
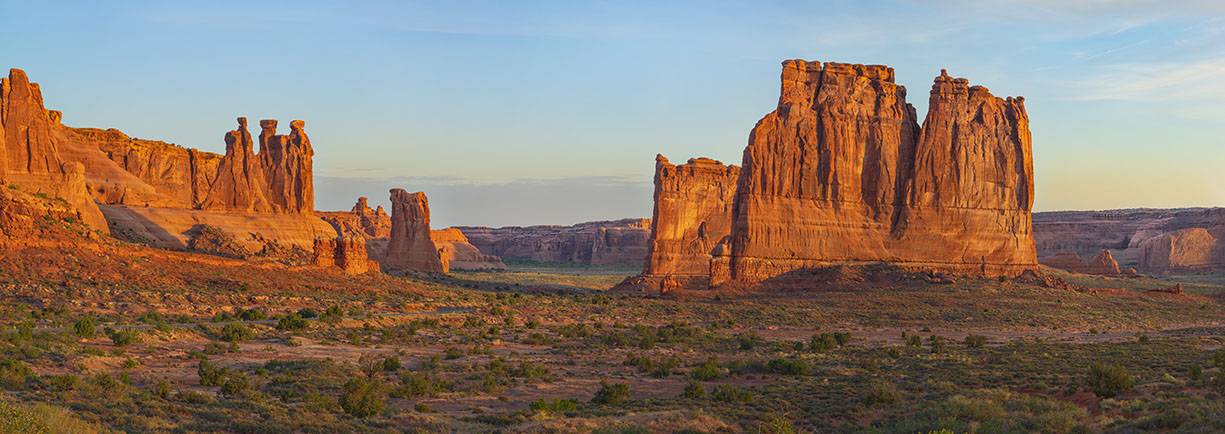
column 787, row 367
column 1107, row 381
column 84, row 328
column 291, row 322
column 236, row 332
column 41, row 418
column 363, row 397
column 123, row 337
column 210, row 373
column 747, row 341
column 936, row 343
column 307, row 312
column 611, row 393
column 913, row 340
column 553, row 406
column 392, row 364
column 235, row 384
column 707, row 371
column 880, row 393
column 842, row 338
column 729, row 393
column 822, row 342
column 251, row 315
column 694, row 390
column 417, row 384
column 13, row 374
column 332, row 315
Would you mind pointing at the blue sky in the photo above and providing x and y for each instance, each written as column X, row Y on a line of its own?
column 530, row 112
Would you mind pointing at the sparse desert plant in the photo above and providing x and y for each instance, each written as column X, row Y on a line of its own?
column 392, row 363
column 822, row 342
column 307, row 313
column 13, row 374
column 708, row 370
column 210, row 373
column 975, row 341
column 291, row 322
column 776, row 424
column 787, row 366
column 730, row 393
column 236, row 332
column 936, row 343
column 913, row 340
column 332, row 315
column 417, row 384
column 235, row 384
column 453, row 353
column 84, row 327
column 123, row 337
column 553, row 406
column 611, row 393
column 880, row 393
column 747, row 341
column 363, row 397
column 1107, row 381
column 694, row 390
column 842, row 338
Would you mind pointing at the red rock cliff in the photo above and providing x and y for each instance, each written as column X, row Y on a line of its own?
column 616, row 243
column 286, row 161
column 692, row 219
column 410, row 246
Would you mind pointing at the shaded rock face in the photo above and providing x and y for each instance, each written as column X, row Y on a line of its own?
column 457, row 253
column 692, row 223
column 29, row 150
column 1150, row 240
column 347, row 253
column 1103, row 263
column 410, row 247
column 374, row 223
column 608, row 243
column 841, row 173
column 240, row 183
column 287, row 162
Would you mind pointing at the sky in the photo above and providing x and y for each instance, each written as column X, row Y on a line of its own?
column 551, row 112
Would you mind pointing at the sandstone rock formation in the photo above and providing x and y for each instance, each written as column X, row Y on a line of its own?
column 287, row 162
column 605, row 243
column 692, row 222
column 348, row 253
column 457, row 253
column 841, row 173
column 1150, row 240
column 410, row 247
column 374, row 223
column 240, row 184
column 1103, row 263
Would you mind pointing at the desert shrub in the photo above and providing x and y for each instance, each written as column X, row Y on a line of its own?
column 707, row 371
column 417, row 384
column 936, row 343
column 291, row 322
column 880, row 393
column 694, row 390
column 975, row 341
column 84, row 328
column 62, row 383
column 41, row 418
column 776, row 424
column 210, row 373
column 913, row 340
column 308, row 313
column 123, row 337
column 13, row 374
column 363, row 397
column 236, row 332
column 660, row 368
column 842, row 338
column 730, row 393
column 1106, row 381
column 235, row 383
column 1196, row 373
column 392, row 363
column 453, row 353
column 251, row 315
column 332, row 315
column 783, row 366
column 747, row 341
column 553, row 406
column 611, row 393
column 822, row 342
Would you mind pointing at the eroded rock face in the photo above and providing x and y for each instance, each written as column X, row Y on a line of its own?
column 1103, row 263
column 410, row 247
column 1150, row 240
column 841, row 173
column 29, row 140
column 457, row 253
column 692, row 223
column 347, row 253
column 287, row 161
column 240, row 184
column 612, row 243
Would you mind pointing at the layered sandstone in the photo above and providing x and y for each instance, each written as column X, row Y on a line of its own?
column 240, row 183
column 347, row 253
column 841, row 173
column 605, row 243
column 287, row 163
column 457, row 253
column 692, row 222
column 410, row 247
column 1150, row 240
column 1103, row 263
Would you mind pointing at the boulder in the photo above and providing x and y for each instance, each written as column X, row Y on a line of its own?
column 347, row 253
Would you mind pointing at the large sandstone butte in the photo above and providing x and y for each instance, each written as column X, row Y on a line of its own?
column 156, row 191
column 841, row 173
column 605, row 243
column 692, row 224
column 374, row 225
column 457, row 253
column 1150, row 240
column 410, row 247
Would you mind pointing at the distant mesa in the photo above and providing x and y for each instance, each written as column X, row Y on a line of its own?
column 615, row 243
column 842, row 173
column 1155, row 241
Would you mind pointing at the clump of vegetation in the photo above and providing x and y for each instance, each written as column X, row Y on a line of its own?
column 236, row 332
column 363, row 397
column 975, row 341
column 210, row 373
column 416, row 385
column 1107, row 381
column 708, row 370
column 548, row 407
column 14, row 374
column 694, row 390
column 611, row 393
column 291, row 322
column 881, row 393
column 730, row 393
column 84, row 328
column 823, row 342
column 748, row 341
column 936, row 343
column 788, row 366
column 123, row 337
column 332, row 315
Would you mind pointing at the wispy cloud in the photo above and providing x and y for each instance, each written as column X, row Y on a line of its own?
column 1168, row 81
